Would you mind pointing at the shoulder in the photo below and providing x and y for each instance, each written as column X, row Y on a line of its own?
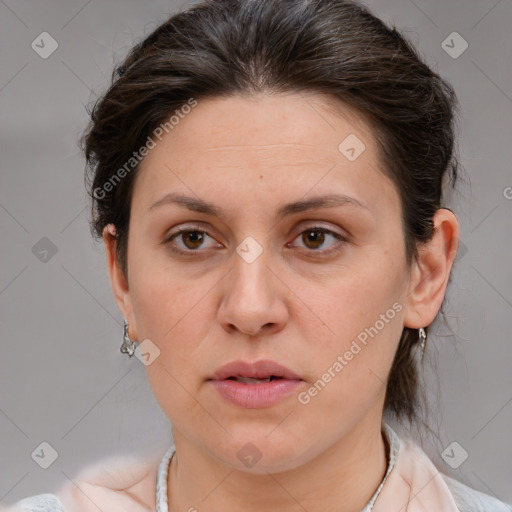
column 117, row 483
column 464, row 497
column 471, row 500
column 40, row 503
column 416, row 475
column 122, row 482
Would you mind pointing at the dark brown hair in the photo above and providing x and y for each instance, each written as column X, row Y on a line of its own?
column 336, row 48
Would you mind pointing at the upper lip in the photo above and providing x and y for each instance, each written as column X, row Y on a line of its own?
column 257, row 370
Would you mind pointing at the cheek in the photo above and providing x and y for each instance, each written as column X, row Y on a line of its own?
column 354, row 297
column 173, row 314
column 357, row 330
column 176, row 313
column 176, row 317
column 164, row 298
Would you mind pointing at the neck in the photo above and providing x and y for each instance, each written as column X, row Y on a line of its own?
column 342, row 478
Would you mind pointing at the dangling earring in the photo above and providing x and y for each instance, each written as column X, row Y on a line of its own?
column 128, row 346
column 422, row 338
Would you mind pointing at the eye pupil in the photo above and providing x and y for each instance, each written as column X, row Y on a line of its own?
column 195, row 236
column 317, row 237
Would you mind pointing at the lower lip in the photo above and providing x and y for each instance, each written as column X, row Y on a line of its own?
column 256, row 396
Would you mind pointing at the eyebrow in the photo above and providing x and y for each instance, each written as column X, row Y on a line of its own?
column 201, row 206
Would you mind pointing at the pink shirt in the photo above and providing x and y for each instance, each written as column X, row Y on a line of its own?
column 412, row 484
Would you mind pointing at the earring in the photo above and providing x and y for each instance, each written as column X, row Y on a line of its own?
column 128, row 346
column 422, row 338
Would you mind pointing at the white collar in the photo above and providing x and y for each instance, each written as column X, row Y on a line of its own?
column 161, row 481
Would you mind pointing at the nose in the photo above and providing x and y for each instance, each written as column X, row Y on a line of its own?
column 254, row 298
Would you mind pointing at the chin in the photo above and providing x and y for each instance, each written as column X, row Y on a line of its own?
column 257, row 452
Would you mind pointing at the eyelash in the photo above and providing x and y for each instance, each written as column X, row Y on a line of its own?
column 341, row 239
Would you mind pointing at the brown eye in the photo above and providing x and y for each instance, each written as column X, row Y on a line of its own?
column 317, row 239
column 313, row 238
column 192, row 239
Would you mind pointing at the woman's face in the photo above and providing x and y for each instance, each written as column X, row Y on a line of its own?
column 257, row 279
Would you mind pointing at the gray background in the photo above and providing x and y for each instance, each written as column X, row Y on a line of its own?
column 62, row 377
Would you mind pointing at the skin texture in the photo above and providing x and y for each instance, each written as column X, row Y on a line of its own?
column 297, row 304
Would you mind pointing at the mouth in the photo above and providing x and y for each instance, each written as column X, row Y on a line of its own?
column 251, row 380
column 255, row 385
column 254, row 372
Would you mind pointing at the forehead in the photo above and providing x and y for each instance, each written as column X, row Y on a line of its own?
column 280, row 145
column 283, row 123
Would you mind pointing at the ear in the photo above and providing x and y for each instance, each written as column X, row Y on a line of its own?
column 431, row 271
column 118, row 280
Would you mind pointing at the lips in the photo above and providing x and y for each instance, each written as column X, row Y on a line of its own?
column 262, row 371
column 256, row 385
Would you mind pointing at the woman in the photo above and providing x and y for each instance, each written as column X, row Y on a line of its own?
column 267, row 177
